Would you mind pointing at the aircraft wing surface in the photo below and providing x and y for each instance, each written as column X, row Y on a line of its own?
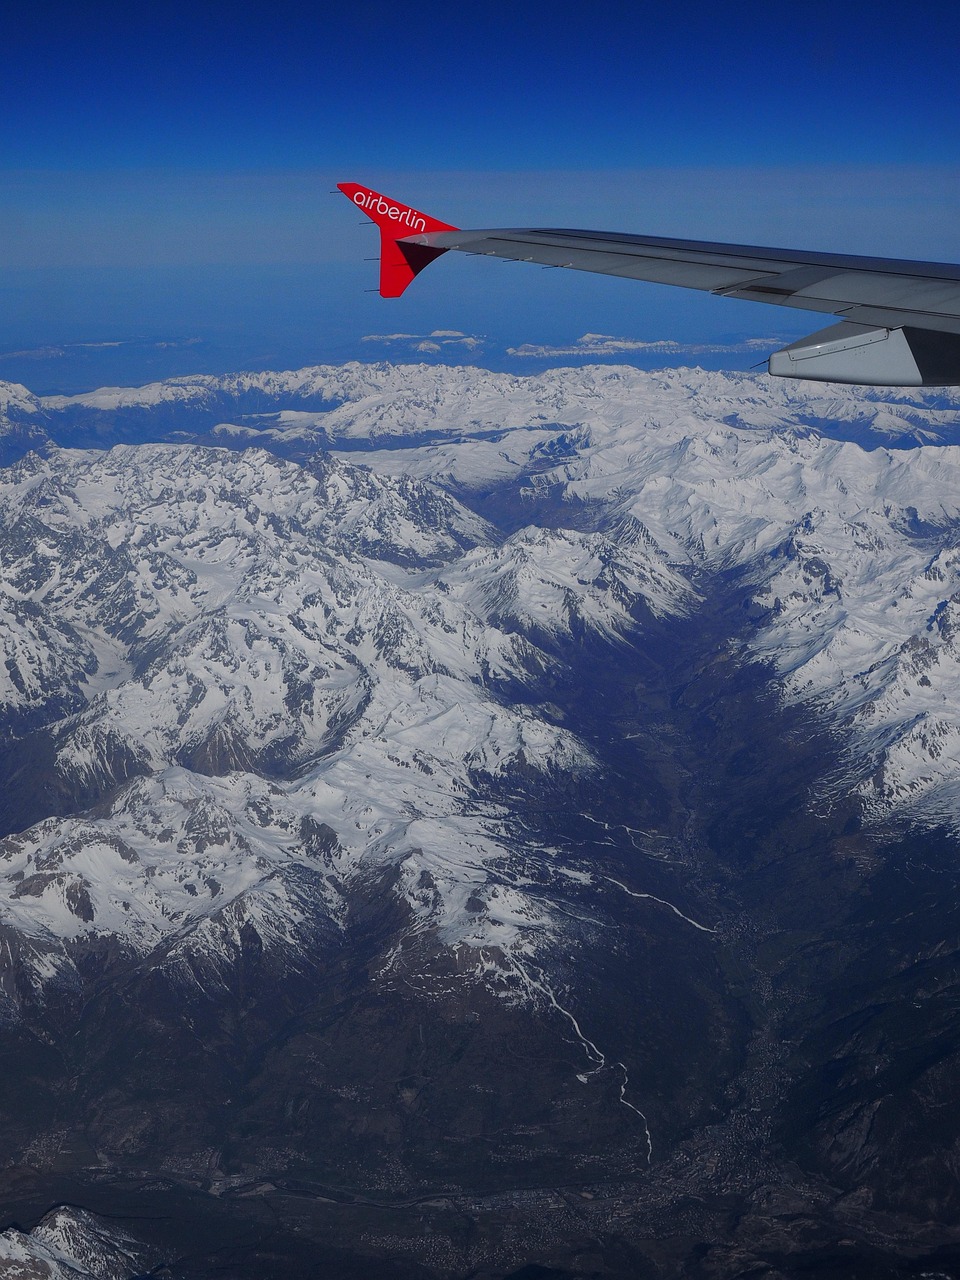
column 900, row 319
column 864, row 290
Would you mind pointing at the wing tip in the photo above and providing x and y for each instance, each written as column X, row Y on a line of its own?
column 400, row 263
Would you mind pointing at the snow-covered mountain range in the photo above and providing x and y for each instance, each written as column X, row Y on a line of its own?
column 849, row 547
column 293, row 652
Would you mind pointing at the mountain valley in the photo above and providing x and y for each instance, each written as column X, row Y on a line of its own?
column 458, row 825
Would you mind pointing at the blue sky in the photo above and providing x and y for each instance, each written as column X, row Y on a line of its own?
column 165, row 173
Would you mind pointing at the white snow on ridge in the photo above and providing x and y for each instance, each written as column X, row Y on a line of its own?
column 552, row 580
column 70, row 1244
column 175, row 848
column 219, row 633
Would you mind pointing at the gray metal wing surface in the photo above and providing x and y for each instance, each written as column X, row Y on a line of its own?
column 912, row 308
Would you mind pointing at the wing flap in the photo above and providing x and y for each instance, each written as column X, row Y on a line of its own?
column 898, row 317
column 869, row 289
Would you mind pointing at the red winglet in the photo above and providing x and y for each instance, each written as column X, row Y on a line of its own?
column 400, row 260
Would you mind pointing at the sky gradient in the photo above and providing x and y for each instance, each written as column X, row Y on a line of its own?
column 165, row 175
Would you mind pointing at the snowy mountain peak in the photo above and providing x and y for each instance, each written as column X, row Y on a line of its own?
column 71, row 1244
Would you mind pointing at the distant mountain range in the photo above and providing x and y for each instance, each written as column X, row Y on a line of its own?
column 453, row 823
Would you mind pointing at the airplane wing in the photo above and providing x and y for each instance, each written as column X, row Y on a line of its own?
column 899, row 320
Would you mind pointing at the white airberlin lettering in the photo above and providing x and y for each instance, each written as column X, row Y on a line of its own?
column 371, row 203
